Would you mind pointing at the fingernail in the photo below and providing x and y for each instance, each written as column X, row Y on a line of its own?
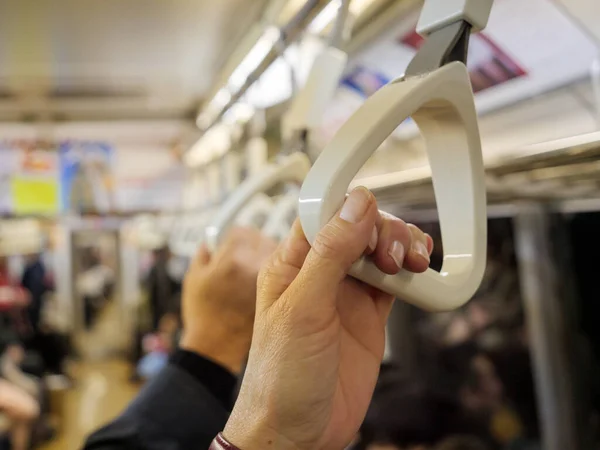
column 374, row 239
column 421, row 250
column 356, row 205
column 429, row 242
column 397, row 253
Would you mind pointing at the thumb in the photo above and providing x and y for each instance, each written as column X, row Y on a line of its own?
column 339, row 244
column 203, row 256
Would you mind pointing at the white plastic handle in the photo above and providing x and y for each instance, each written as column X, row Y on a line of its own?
column 291, row 169
column 278, row 224
column 442, row 105
column 256, row 212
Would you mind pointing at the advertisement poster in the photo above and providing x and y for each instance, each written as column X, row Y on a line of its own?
column 28, row 179
column 86, row 177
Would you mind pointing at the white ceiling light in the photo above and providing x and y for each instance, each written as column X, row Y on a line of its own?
column 254, row 57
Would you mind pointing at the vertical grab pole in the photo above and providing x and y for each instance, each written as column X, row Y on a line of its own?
column 547, row 327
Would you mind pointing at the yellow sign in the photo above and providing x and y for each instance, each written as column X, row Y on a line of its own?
column 34, row 195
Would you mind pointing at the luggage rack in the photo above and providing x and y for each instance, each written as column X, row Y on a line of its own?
column 565, row 173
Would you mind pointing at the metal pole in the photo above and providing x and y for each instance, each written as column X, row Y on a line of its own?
column 547, row 327
column 400, row 342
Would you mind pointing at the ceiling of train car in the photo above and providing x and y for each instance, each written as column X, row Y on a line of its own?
column 114, row 58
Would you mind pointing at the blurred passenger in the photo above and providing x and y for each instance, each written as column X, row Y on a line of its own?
column 466, row 370
column 35, row 281
column 22, row 411
column 11, row 294
column 504, row 404
column 13, row 300
column 10, row 369
column 462, row 443
column 95, row 285
column 410, row 414
column 24, row 371
column 51, row 347
column 514, row 369
column 163, row 288
column 408, row 417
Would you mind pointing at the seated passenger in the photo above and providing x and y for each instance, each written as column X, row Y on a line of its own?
column 22, row 410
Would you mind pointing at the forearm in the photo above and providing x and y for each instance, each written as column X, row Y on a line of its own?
column 184, row 407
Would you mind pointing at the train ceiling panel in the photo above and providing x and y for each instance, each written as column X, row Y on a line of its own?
column 165, row 52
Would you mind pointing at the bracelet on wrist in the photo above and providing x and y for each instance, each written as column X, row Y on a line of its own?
column 220, row 443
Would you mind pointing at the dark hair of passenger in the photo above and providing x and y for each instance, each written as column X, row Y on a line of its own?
column 461, row 443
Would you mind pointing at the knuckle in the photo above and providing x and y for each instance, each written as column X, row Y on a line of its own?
column 327, row 243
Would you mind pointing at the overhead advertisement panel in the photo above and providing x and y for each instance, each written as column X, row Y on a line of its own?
column 528, row 48
column 28, row 182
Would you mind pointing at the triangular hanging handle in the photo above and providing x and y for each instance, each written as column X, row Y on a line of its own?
column 278, row 223
column 292, row 168
column 441, row 103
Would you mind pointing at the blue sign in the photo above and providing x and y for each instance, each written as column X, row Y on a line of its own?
column 85, row 176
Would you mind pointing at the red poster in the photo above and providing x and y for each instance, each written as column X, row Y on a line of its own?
column 488, row 64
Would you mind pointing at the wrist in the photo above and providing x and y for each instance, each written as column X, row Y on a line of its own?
column 217, row 344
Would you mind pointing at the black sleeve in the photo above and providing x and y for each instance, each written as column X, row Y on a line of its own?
column 182, row 408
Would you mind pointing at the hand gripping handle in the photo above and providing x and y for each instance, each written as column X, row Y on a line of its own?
column 442, row 105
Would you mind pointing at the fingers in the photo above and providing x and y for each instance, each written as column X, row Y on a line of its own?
column 417, row 259
column 395, row 240
column 340, row 243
